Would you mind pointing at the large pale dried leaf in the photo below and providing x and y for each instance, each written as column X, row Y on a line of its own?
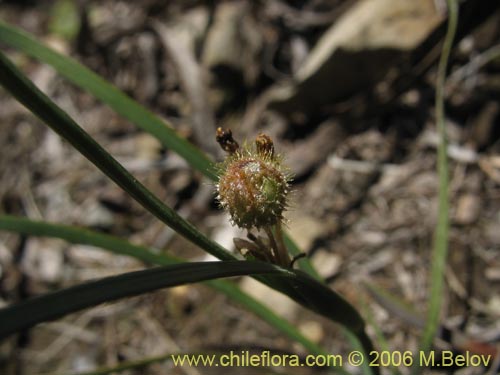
column 360, row 49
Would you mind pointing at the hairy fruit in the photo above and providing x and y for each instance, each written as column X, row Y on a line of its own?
column 253, row 185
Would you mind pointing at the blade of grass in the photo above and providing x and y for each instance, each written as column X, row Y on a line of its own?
column 331, row 305
column 442, row 226
column 316, row 296
column 139, row 364
column 125, row 106
column 266, row 314
column 116, row 99
column 77, row 235
column 320, row 298
column 118, row 246
column 54, row 305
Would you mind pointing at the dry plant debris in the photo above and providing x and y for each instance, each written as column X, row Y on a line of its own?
column 344, row 88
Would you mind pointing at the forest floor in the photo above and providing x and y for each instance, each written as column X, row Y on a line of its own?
column 346, row 90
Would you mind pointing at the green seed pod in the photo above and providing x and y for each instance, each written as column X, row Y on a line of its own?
column 253, row 185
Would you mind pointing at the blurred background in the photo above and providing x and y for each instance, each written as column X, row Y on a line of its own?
column 345, row 88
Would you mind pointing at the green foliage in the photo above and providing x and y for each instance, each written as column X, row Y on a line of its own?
column 442, row 226
column 57, row 304
column 118, row 246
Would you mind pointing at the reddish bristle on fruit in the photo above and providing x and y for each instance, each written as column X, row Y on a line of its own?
column 253, row 185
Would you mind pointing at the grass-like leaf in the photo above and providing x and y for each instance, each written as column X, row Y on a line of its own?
column 57, row 304
column 318, row 297
column 395, row 306
column 314, row 295
column 116, row 99
column 132, row 365
column 44, row 108
column 442, row 226
column 121, row 247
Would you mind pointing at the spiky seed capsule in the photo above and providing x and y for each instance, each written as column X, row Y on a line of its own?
column 253, row 185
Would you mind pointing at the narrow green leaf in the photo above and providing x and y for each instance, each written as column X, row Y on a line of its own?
column 118, row 246
column 125, row 106
column 312, row 294
column 333, row 306
column 116, row 99
column 382, row 343
column 442, row 226
column 142, row 363
column 28, row 94
column 57, row 304
column 266, row 314
column 131, row 365
column 77, row 235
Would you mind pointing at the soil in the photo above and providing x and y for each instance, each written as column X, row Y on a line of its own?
column 364, row 201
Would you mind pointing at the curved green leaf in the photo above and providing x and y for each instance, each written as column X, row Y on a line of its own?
column 54, row 305
column 57, row 304
column 310, row 293
column 118, row 246
column 116, row 99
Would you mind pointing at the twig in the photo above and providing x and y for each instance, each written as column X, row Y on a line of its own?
column 274, row 246
column 473, row 66
column 191, row 78
column 282, row 250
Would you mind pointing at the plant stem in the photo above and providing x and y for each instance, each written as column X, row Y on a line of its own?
column 441, row 234
column 274, row 246
column 280, row 245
